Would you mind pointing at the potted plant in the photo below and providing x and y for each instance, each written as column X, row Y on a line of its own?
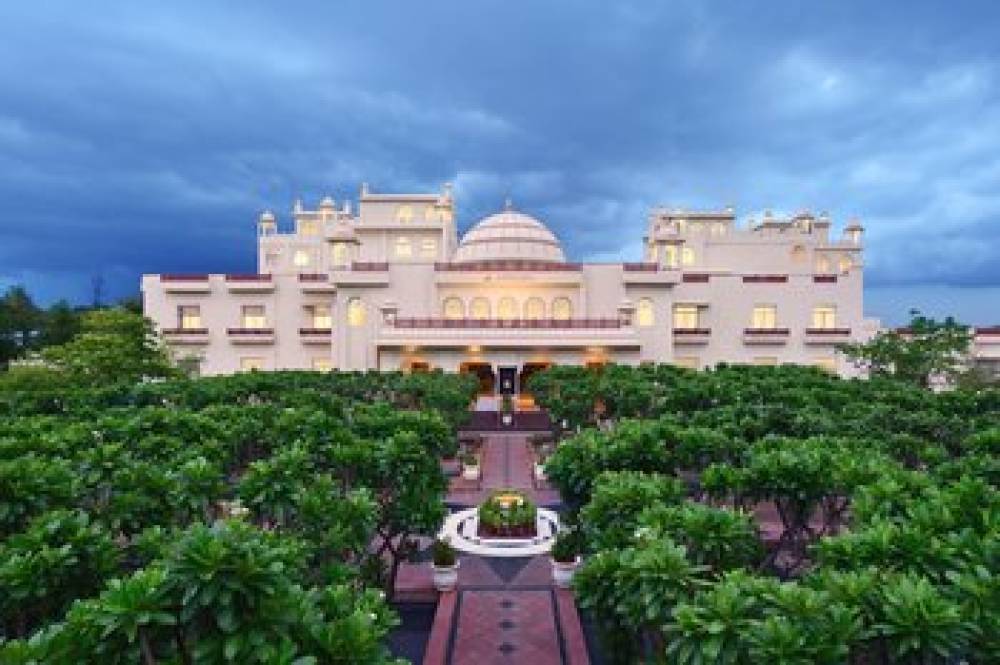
column 470, row 466
column 444, row 565
column 565, row 558
column 507, row 409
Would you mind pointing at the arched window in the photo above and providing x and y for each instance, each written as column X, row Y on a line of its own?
column 454, row 308
column 534, row 308
column 404, row 213
column 670, row 256
column 355, row 312
column 562, row 308
column 845, row 264
column 644, row 314
column 822, row 263
column 687, row 256
column 404, row 249
column 507, row 308
column 480, row 308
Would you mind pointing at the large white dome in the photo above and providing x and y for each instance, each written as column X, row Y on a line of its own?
column 509, row 235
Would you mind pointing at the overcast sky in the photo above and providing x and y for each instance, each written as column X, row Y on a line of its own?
column 145, row 137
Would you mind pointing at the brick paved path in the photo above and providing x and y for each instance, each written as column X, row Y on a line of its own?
column 505, row 611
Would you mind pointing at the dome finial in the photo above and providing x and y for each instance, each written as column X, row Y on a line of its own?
column 508, row 204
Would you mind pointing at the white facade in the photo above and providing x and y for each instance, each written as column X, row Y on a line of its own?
column 391, row 287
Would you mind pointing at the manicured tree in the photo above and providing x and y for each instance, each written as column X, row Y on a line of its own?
column 271, row 486
column 925, row 349
column 610, row 519
column 60, row 557
column 718, row 538
column 31, row 485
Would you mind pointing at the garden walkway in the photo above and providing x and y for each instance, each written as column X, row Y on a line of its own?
column 505, row 610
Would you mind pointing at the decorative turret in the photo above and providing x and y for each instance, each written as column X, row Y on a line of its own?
column 853, row 232
column 267, row 224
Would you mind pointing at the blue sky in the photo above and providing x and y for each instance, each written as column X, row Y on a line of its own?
column 141, row 137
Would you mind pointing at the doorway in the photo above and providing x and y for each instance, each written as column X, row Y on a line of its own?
column 508, row 380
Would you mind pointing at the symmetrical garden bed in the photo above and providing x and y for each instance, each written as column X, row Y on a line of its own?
column 508, row 514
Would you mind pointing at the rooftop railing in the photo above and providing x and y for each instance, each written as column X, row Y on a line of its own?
column 248, row 277
column 370, row 266
column 314, row 277
column 825, row 279
column 506, row 265
column 764, row 279
column 640, row 267
column 696, row 277
column 174, row 277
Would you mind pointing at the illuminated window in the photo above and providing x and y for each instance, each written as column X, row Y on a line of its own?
column 687, row 256
column 534, row 308
column 355, row 312
column 404, row 214
column 428, row 248
column 321, row 317
column 301, row 258
column 454, row 308
column 322, row 364
column 562, row 309
column 251, row 363
column 822, row 263
column 308, row 227
column 681, row 225
column 507, row 308
column 685, row 316
column 252, row 316
column 339, row 253
column 480, row 308
column 688, row 362
column 644, row 314
column 764, row 316
column 404, row 249
column 430, row 214
column 766, row 361
column 189, row 316
column 670, row 256
column 824, row 316
column 845, row 264
column 827, row 364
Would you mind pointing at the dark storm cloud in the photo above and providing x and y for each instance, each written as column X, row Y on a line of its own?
column 139, row 138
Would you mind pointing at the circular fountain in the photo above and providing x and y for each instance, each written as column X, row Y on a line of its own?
column 502, row 527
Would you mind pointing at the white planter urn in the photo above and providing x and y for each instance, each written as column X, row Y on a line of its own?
column 562, row 572
column 445, row 577
column 539, row 472
column 470, row 472
column 508, row 418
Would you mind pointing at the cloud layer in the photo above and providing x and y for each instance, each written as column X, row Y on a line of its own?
column 144, row 138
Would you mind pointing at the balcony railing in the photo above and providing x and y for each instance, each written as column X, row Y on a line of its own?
column 696, row 277
column 173, row 277
column 507, row 265
column 248, row 277
column 825, row 279
column 692, row 335
column 315, row 332
column 250, row 331
column 765, row 279
column 765, row 335
column 840, row 332
column 370, row 266
column 640, row 267
column 184, row 331
column 186, row 335
column 775, row 332
column 506, row 324
column 312, row 277
column 692, row 331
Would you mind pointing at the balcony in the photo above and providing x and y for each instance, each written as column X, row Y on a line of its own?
column 315, row 335
column 316, row 283
column 827, row 335
column 765, row 279
column 251, row 335
column 508, row 333
column 363, row 273
column 641, row 274
column 692, row 335
column 507, row 265
column 696, row 277
column 186, row 283
column 989, row 336
column 185, row 336
column 766, row 336
column 824, row 279
column 249, row 283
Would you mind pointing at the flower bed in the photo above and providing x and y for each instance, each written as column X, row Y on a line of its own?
column 507, row 514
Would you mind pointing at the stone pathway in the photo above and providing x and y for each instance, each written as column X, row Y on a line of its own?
column 505, row 611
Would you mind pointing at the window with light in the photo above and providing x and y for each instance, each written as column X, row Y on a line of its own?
column 308, row 227
column 822, row 263
column 189, row 316
column 404, row 249
column 764, row 316
column 322, row 364
column 687, row 362
column 686, row 317
column 404, row 214
column 687, row 256
column 252, row 316
column 251, row 363
column 321, row 317
column 339, row 253
column 765, row 361
column 644, row 315
column 827, row 364
column 670, row 256
column 454, row 308
column 507, row 308
column 562, row 309
column 824, row 316
column 534, row 308
column 301, row 258
column 480, row 308
column 355, row 313
column 845, row 264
